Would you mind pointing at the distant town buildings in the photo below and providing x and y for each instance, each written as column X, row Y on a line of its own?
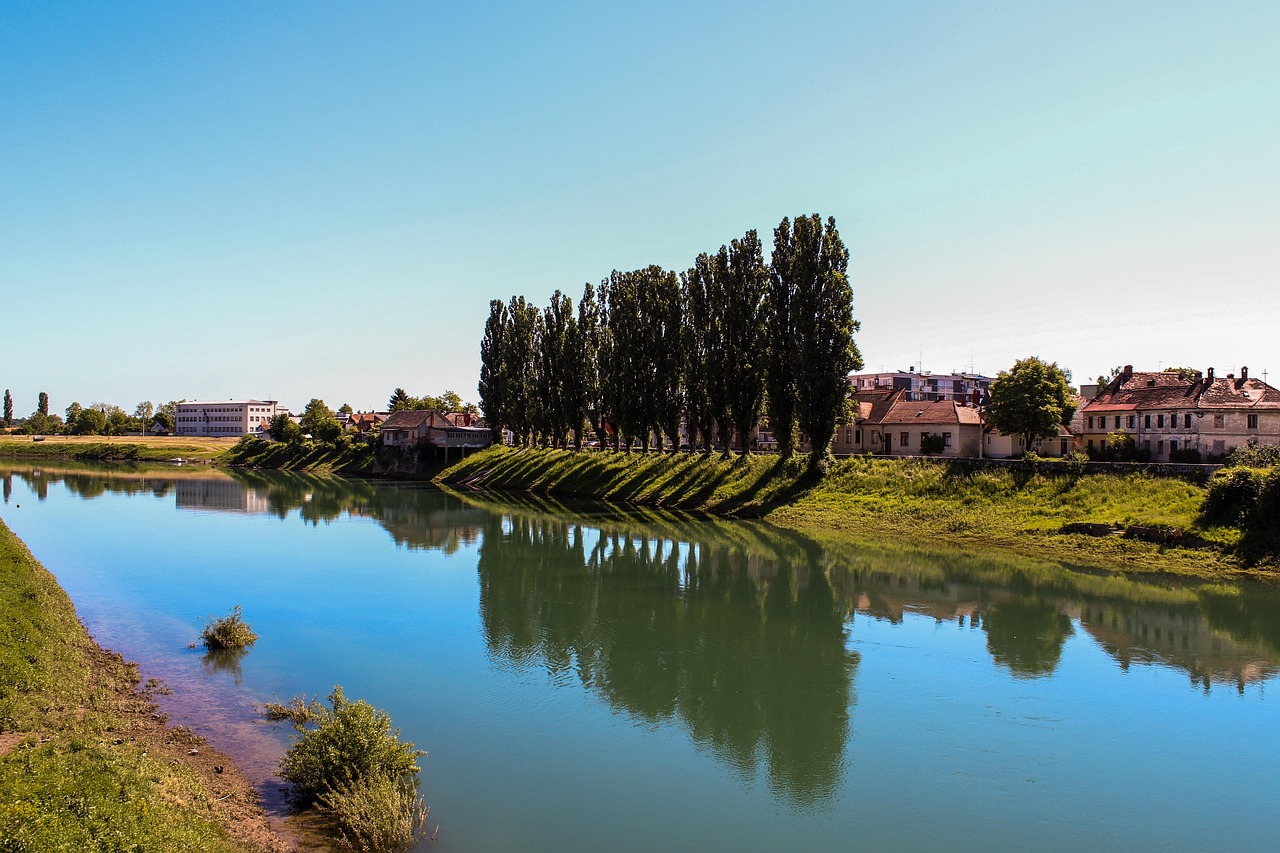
column 967, row 388
column 225, row 418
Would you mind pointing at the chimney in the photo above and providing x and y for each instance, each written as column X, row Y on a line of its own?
column 1210, row 374
column 1128, row 372
column 1244, row 373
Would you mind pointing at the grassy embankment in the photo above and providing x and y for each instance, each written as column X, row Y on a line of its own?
column 89, row 448
column 86, row 763
column 892, row 499
column 314, row 456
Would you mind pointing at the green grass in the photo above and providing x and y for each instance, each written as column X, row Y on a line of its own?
column 72, row 778
column 304, row 456
column 890, row 499
column 114, row 449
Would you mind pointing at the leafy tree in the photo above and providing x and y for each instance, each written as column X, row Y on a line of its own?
column 42, row 406
column 167, row 415
column 73, row 412
column 278, row 427
column 556, row 362
column 520, row 366
column 1031, row 400
column 144, row 411
column 780, row 331
column 399, row 400
column 493, row 388
column 742, row 334
column 42, row 424
column 118, row 423
column 318, row 420
column 592, row 348
column 809, row 274
column 8, row 407
column 345, row 409
column 705, row 405
column 87, row 422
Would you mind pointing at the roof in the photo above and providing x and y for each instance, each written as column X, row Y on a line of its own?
column 875, row 406
column 408, row 419
column 1134, row 391
column 226, row 403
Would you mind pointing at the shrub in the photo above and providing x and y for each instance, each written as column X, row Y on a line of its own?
column 1232, row 496
column 228, row 632
column 1189, row 456
column 1254, row 455
column 931, row 444
column 344, row 744
column 376, row 813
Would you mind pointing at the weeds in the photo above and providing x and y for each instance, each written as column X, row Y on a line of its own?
column 228, row 632
column 376, row 814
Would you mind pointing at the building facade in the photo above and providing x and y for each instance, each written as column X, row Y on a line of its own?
column 1171, row 411
column 224, row 418
column 968, row 389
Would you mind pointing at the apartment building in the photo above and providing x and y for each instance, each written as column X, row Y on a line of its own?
column 225, row 418
column 968, row 389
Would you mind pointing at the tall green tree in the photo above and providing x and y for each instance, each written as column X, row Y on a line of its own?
column 814, row 261
column 582, row 377
column 144, row 411
column 42, row 406
column 520, row 366
column 663, row 303
column 780, row 329
column 493, row 388
column 1031, row 399
column 703, row 350
column 399, row 400
column 318, row 420
column 8, row 407
column 742, row 332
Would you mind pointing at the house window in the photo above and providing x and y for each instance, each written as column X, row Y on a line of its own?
column 1173, row 445
column 1133, row 421
column 1253, row 421
column 904, row 439
column 1219, row 447
column 1091, row 422
column 1186, row 421
column 946, row 439
column 1160, row 447
column 1160, row 421
column 857, row 436
column 1117, row 422
column 1219, row 421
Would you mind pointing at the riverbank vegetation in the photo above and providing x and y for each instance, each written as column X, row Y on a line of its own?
column 1129, row 521
column 228, row 632
column 350, row 764
column 86, row 762
column 111, row 449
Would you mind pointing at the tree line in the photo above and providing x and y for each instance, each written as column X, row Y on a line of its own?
column 95, row 419
column 714, row 348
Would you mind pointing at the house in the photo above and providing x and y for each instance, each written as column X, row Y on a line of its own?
column 890, row 422
column 1176, row 412
column 224, row 418
column 997, row 445
column 423, row 427
column 366, row 422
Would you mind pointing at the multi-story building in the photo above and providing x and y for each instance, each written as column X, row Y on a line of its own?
column 1173, row 411
column 225, row 418
column 969, row 389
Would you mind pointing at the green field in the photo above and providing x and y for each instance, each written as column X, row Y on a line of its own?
column 115, row 448
column 905, row 501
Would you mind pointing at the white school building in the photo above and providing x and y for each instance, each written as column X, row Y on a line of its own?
column 224, row 418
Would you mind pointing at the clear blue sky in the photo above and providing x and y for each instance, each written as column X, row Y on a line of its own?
column 210, row 200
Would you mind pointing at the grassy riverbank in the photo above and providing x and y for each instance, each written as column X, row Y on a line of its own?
column 912, row 501
column 312, row 456
column 86, row 762
column 101, row 448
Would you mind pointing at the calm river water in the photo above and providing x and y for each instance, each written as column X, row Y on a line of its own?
column 588, row 679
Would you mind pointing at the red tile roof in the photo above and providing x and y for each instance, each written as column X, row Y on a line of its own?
column 1139, row 391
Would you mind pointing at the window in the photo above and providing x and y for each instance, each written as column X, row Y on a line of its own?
column 1160, row 447
column 1091, row 422
column 1133, row 421
column 1186, row 421
column 946, row 439
column 1219, row 421
column 1253, row 421
column 1117, row 422
column 904, row 439
column 1160, row 421
column 857, row 436
column 1173, row 445
column 875, row 437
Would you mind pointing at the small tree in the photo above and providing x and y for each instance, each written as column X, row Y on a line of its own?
column 318, row 420
column 1031, row 399
column 42, row 406
column 8, row 407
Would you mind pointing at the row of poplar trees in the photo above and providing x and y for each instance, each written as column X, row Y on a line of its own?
column 715, row 347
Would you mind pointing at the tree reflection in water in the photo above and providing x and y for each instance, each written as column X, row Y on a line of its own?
column 746, row 650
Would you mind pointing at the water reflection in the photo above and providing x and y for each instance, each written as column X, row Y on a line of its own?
column 652, row 610
column 744, row 649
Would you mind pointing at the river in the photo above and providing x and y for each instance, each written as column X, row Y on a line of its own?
column 589, row 678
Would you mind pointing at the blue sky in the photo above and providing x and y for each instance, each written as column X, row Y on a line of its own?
column 319, row 199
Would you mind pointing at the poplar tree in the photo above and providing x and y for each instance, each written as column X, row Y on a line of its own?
column 556, row 361
column 742, row 333
column 8, row 407
column 493, row 387
column 665, row 310
column 42, row 406
column 627, row 380
column 709, row 370
column 814, row 261
column 780, row 331
column 519, row 367
column 590, row 348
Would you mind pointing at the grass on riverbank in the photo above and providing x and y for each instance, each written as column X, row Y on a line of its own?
column 115, row 448
column 84, row 762
column 313, row 456
column 889, row 499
